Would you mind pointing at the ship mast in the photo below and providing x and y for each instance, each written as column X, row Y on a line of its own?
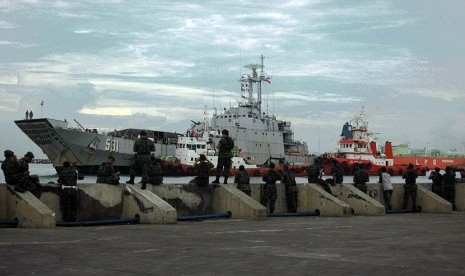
column 248, row 82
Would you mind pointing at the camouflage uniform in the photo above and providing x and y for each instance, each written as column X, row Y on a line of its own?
column 269, row 190
column 68, row 195
column 360, row 179
column 226, row 144
column 106, row 174
column 203, row 172
column 243, row 182
column 155, row 175
column 26, row 181
column 292, row 192
column 437, row 186
column 141, row 163
column 336, row 171
column 313, row 173
column 10, row 168
column 410, row 188
column 449, row 187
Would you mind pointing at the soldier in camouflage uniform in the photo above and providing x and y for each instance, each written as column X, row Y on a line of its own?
column 225, row 145
column 315, row 173
column 410, row 187
column 155, row 175
column 361, row 178
column 336, row 172
column 203, row 167
column 449, row 186
column 269, row 191
column 292, row 191
column 27, row 182
column 106, row 172
column 10, row 167
column 243, row 181
column 68, row 178
column 142, row 148
column 437, row 186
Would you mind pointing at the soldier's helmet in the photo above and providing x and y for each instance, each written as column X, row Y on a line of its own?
column 225, row 132
column 111, row 157
column 437, row 169
column 410, row 166
column 66, row 164
column 143, row 133
column 241, row 167
column 30, row 155
column 272, row 165
column 203, row 157
column 316, row 161
column 8, row 153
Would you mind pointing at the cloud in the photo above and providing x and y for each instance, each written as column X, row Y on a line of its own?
column 15, row 44
column 6, row 25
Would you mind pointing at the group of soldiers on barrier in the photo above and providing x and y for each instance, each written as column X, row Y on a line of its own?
column 17, row 174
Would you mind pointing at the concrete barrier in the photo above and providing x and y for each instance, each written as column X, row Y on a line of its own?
column 361, row 203
column 311, row 197
column 149, row 207
column 28, row 209
column 229, row 198
column 429, row 202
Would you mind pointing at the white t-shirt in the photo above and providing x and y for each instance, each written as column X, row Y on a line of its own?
column 386, row 178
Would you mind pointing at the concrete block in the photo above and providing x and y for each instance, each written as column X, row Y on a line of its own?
column 187, row 199
column 361, row 203
column 28, row 209
column 431, row 202
column 149, row 207
column 229, row 198
column 312, row 197
column 3, row 190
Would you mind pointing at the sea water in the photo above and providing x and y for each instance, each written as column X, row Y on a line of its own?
column 47, row 174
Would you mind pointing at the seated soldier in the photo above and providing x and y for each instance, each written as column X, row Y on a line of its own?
column 203, row 167
column 155, row 175
column 243, row 181
column 107, row 174
column 27, row 182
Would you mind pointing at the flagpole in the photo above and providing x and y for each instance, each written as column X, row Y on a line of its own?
column 41, row 109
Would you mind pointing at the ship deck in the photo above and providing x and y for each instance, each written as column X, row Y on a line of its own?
column 413, row 244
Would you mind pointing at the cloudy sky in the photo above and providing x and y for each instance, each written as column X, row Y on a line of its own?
column 156, row 64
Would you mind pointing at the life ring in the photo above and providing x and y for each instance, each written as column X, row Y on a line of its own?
column 190, row 170
column 256, row 173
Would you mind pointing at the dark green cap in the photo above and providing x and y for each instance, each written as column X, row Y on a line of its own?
column 30, row 154
column 8, row 153
column 111, row 157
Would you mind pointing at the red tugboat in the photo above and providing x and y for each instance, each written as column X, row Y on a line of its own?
column 358, row 146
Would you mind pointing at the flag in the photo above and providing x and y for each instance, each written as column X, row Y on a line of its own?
column 42, row 103
column 267, row 81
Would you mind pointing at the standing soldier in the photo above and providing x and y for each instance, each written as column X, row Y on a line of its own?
column 449, row 186
column 27, row 182
column 361, row 178
column 203, row 167
column 410, row 187
column 315, row 174
column 243, row 181
column 437, row 186
column 68, row 178
column 10, row 167
column 27, row 114
column 155, row 174
column 31, row 115
column 225, row 145
column 269, row 190
column 292, row 192
column 142, row 148
column 106, row 172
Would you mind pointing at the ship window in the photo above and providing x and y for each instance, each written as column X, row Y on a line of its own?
column 203, row 146
column 234, row 116
column 243, row 115
column 229, row 119
column 229, row 116
column 250, row 116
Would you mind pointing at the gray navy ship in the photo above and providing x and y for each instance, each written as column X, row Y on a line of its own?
column 258, row 136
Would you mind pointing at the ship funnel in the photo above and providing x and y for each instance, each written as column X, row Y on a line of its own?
column 373, row 148
column 388, row 150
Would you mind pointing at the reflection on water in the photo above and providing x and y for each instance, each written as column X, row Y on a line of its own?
column 47, row 173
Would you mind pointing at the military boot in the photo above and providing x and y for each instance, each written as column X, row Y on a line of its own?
column 225, row 180
column 131, row 179
column 144, row 186
column 216, row 181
